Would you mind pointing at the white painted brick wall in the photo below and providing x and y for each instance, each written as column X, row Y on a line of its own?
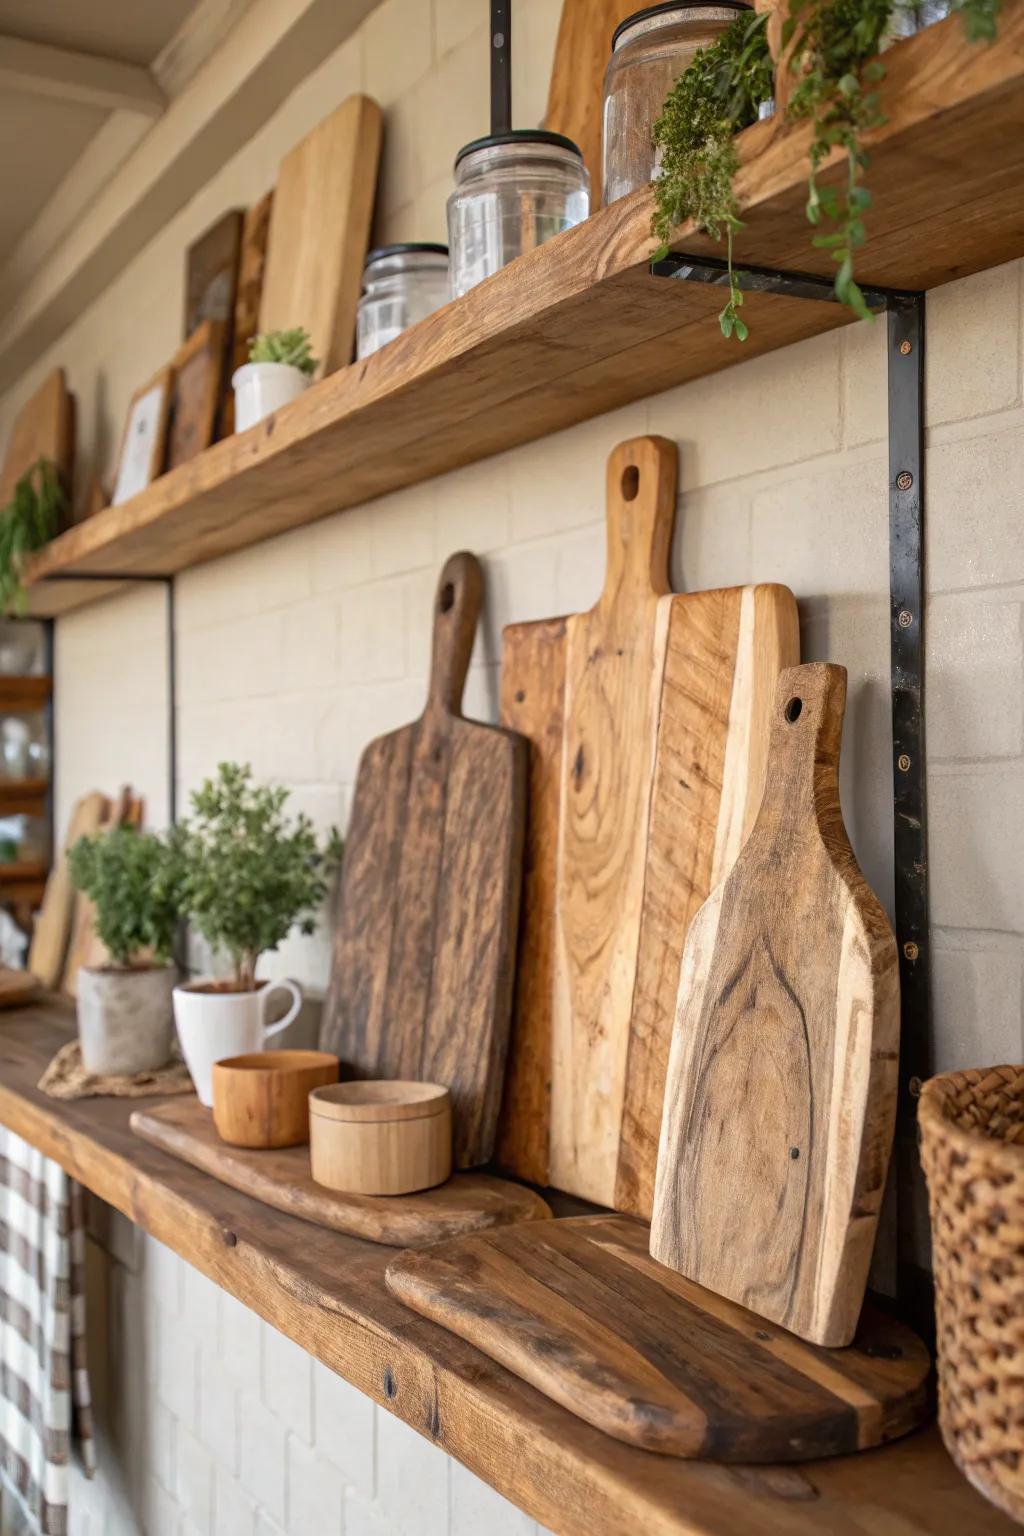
column 294, row 654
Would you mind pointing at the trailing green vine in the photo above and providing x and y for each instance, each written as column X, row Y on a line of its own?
column 30, row 519
column 833, row 48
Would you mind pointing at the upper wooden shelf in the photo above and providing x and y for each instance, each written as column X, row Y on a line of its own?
column 18, row 693
column 579, row 326
column 327, row 1293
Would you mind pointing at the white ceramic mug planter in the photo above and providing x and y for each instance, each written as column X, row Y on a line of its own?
column 214, row 1021
column 262, row 388
column 125, row 1018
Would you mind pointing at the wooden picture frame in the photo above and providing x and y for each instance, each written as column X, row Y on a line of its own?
column 140, row 458
column 198, row 371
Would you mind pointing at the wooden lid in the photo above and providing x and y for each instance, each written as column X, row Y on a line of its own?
column 277, row 1061
column 379, row 1100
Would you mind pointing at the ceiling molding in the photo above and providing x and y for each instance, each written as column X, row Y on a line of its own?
column 200, row 35
column 37, row 69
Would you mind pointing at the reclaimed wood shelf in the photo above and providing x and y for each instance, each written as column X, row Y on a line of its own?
column 327, row 1293
column 20, row 693
column 579, row 326
column 22, row 794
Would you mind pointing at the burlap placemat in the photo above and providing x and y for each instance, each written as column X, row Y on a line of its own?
column 66, row 1078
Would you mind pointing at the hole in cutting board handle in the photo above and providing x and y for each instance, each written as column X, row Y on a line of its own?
column 793, row 710
column 630, row 482
column 447, row 597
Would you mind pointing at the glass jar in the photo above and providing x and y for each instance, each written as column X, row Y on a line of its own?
column 512, row 192
column 402, row 284
column 650, row 50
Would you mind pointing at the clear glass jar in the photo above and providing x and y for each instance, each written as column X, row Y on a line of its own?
column 512, row 192
column 402, row 284
column 650, row 50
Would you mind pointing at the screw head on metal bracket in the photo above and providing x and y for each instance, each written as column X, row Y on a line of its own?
column 904, row 480
column 911, row 950
column 904, row 618
column 906, row 347
column 915, row 1087
column 903, row 763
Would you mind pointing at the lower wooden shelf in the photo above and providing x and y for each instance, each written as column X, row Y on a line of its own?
column 327, row 1293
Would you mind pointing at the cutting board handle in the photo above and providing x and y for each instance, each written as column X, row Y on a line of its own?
column 641, row 511
column 802, row 784
column 456, row 612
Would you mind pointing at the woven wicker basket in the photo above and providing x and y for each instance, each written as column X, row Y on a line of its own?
column 972, row 1147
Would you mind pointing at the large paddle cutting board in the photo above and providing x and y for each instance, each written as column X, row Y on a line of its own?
column 421, row 980
column 581, row 1311
column 781, row 1093
column 648, row 723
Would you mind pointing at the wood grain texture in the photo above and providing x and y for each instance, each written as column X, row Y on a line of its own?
column 261, row 1099
column 281, row 1178
column 198, row 368
column 44, row 428
column 581, row 1311
column 781, row 1092
column 651, row 827
column 211, row 273
column 576, row 93
column 51, row 935
column 578, row 326
column 319, row 230
column 326, row 1292
column 252, row 260
column 381, row 1138
column 424, row 952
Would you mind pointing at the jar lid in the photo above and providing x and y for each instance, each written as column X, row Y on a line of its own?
column 376, row 1101
column 519, row 136
column 676, row 5
column 405, row 248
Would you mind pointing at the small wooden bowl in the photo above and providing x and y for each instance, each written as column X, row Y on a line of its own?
column 262, row 1100
column 380, row 1138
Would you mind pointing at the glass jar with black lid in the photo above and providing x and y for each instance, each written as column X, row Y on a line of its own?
column 402, row 284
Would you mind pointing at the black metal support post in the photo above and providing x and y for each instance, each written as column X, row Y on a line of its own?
column 905, row 322
column 501, row 66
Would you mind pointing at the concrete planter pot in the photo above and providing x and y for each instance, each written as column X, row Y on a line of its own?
column 125, row 1018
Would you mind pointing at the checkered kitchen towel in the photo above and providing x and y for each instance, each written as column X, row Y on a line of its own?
column 44, row 1383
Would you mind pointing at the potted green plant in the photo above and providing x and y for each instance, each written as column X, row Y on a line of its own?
column 281, row 365
column 125, row 1017
column 31, row 518
column 251, row 874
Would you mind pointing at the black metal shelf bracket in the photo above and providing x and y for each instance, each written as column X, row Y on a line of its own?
column 905, row 322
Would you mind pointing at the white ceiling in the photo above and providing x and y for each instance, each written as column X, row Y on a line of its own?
column 131, row 30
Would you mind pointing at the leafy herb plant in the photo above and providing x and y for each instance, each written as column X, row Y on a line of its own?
column 292, row 347
column 134, row 880
column 251, row 871
column 30, row 519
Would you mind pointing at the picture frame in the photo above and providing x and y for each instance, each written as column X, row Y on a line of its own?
column 140, row 457
column 198, row 370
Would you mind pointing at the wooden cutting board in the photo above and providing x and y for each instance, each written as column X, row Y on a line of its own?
column 467, row 1203
column 252, row 260
column 581, row 1311
column 648, row 724
column 319, row 230
column 421, row 980
column 576, row 93
column 52, row 931
column 44, row 428
column 781, row 1092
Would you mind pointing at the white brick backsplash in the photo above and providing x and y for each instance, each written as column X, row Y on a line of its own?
column 975, row 491
column 413, row 1491
column 580, row 568
column 865, row 383
column 711, row 546
column 403, row 534
column 164, row 1275
column 340, row 550
column 263, row 1456
column 161, row 1513
column 978, row 999
column 372, row 638
column 472, row 507
column 288, row 1383
column 265, row 1526
column 972, row 358
column 234, row 1512
column 176, row 1369
column 201, row 1302
column 825, row 531
column 316, row 1493
column 976, row 876
column 397, row 48
column 454, row 20
column 365, row 1519
column 975, row 671
column 345, row 1428
column 193, row 1480
column 157, row 1443
column 477, row 1508
column 240, row 1343
column 310, row 640
column 560, row 483
column 218, row 1409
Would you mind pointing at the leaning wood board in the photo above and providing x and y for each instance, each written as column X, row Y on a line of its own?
column 52, row 931
column 421, row 979
column 581, row 1311
column 576, row 93
column 319, row 231
column 281, row 1178
column 781, row 1093
column 44, row 428
column 648, row 723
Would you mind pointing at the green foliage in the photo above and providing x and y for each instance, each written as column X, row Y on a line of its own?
column 135, row 880
column 710, row 102
column 30, row 519
column 291, row 347
column 251, row 872
column 981, row 19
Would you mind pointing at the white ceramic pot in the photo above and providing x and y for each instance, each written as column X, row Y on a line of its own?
column 213, row 1024
column 125, row 1018
column 262, row 388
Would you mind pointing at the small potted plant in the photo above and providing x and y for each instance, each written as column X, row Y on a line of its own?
column 31, row 519
column 251, row 873
column 125, row 1017
column 281, row 365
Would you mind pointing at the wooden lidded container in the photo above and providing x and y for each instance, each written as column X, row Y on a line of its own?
column 262, row 1099
column 380, row 1138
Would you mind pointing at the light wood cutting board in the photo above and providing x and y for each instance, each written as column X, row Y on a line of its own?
column 44, row 428
column 576, row 94
column 781, row 1093
column 648, row 724
column 319, row 230
column 52, row 930
column 421, row 979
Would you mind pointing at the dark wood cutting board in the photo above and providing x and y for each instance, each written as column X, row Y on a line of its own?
column 781, row 1093
column 468, row 1202
column 581, row 1311
column 424, row 952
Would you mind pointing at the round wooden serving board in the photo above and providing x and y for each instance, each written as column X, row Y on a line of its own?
column 580, row 1310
